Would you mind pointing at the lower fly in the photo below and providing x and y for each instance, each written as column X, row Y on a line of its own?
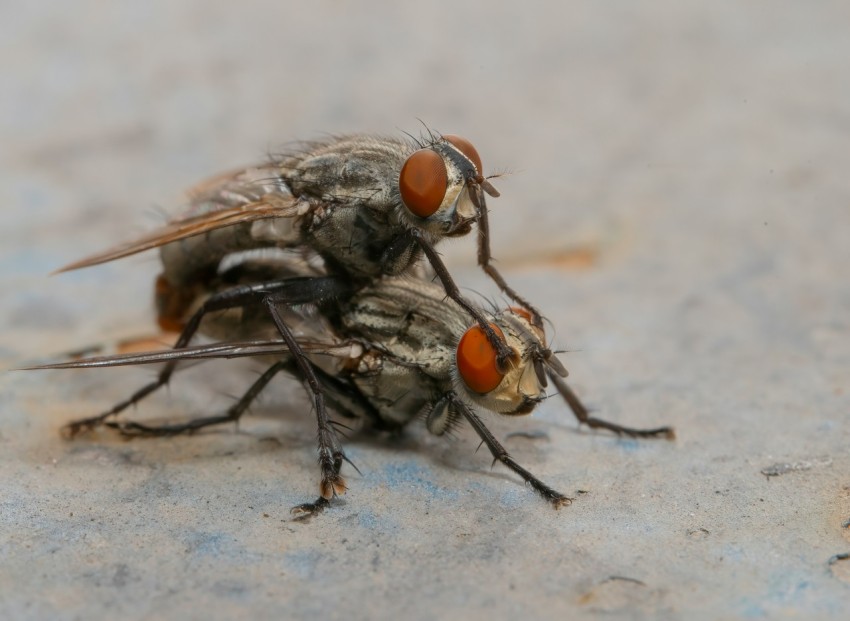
column 393, row 352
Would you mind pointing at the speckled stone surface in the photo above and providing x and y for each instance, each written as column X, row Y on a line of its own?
column 678, row 205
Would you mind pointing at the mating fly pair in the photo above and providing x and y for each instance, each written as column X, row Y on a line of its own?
column 329, row 227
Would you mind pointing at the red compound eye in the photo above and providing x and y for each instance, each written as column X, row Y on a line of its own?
column 476, row 360
column 422, row 182
column 464, row 146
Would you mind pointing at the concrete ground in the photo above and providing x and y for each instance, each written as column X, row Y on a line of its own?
column 677, row 203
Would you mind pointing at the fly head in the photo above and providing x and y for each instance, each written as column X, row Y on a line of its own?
column 441, row 186
column 521, row 387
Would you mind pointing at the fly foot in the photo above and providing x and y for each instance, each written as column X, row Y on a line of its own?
column 84, row 425
column 303, row 512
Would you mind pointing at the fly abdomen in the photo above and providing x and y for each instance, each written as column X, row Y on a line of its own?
column 189, row 260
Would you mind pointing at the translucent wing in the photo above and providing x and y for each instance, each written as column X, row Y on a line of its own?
column 238, row 349
column 232, row 198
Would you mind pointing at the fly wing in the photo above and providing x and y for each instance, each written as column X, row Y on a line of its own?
column 240, row 349
column 234, row 188
column 232, row 198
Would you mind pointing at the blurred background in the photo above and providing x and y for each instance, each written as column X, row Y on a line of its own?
column 675, row 199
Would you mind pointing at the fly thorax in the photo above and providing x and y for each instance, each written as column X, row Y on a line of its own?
column 351, row 236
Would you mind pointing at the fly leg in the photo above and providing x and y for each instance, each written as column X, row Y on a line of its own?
column 232, row 415
column 504, row 354
column 585, row 418
column 344, row 398
column 290, row 291
column 331, row 455
column 341, row 396
column 484, row 257
column 499, row 453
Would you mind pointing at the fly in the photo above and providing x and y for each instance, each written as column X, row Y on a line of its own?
column 393, row 352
